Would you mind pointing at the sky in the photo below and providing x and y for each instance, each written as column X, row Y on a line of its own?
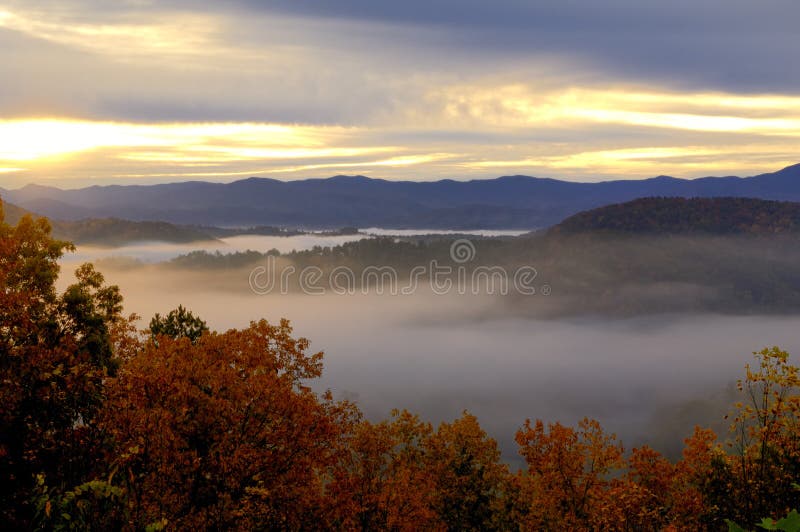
column 138, row 91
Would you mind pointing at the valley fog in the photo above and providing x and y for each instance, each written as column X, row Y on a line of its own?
column 648, row 379
column 162, row 251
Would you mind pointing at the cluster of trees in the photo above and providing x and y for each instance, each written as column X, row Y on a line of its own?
column 103, row 427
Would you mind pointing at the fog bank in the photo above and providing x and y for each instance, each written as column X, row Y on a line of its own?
column 650, row 379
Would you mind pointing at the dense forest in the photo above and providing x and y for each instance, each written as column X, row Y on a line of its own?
column 106, row 427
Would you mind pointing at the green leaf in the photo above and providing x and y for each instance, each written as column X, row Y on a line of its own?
column 733, row 527
column 790, row 523
column 767, row 523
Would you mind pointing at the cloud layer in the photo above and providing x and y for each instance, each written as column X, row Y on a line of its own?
column 146, row 91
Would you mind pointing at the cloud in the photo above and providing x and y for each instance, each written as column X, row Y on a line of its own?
column 581, row 90
column 719, row 44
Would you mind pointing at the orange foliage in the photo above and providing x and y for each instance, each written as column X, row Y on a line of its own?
column 568, row 473
column 470, row 482
column 580, row 479
column 224, row 433
column 55, row 353
column 381, row 481
column 402, row 475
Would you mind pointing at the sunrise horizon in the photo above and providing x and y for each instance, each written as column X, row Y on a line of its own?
column 168, row 91
column 85, row 183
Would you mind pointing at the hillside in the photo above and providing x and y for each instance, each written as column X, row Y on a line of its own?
column 12, row 213
column 115, row 232
column 112, row 231
column 585, row 273
column 519, row 202
column 688, row 216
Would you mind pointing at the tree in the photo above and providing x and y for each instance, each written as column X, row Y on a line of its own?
column 402, row 475
column 765, row 462
column 568, row 477
column 56, row 351
column 470, row 481
column 224, row 433
column 179, row 323
column 380, row 480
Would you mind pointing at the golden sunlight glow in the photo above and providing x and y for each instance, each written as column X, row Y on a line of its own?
column 192, row 36
column 25, row 140
column 761, row 133
column 653, row 160
column 216, row 155
column 391, row 162
column 522, row 106
column 708, row 100
column 219, row 147
column 594, row 157
column 696, row 122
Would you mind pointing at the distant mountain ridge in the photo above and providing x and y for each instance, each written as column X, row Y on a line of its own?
column 519, row 202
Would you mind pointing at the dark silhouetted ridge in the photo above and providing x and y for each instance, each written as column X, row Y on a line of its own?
column 509, row 202
column 688, row 216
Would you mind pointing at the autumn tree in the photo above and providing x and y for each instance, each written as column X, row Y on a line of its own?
column 694, row 482
column 470, row 482
column 56, row 351
column 764, row 464
column 381, row 481
column 568, row 476
column 400, row 474
column 224, row 433
column 653, row 493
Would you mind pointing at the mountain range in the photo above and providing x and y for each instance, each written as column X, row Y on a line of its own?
column 509, row 202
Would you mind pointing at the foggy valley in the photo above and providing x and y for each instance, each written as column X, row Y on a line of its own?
column 650, row 379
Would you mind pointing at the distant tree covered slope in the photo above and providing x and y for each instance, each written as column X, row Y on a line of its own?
column 116, row 232
column 13, row 213
column 692, row 215
column 112, row 231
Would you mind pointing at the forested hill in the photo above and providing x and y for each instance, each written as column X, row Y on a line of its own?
column 116, row 232
column 112, row 231
column 663, row 215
